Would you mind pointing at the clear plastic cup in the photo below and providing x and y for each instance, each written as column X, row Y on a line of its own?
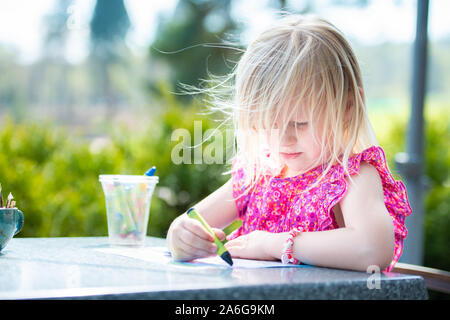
column 128, row 199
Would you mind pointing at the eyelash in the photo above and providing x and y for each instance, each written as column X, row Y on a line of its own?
column 299, row 124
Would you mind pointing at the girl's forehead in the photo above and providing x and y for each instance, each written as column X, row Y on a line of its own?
column 296, row 109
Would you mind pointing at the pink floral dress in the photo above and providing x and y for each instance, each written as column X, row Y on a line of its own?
column 280, row 204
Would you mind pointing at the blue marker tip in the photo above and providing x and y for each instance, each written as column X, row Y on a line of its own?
column 150, row 172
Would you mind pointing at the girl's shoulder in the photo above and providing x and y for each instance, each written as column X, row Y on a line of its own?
column 370, row 165
column 371, row 168
column 366, row 185
column 373, row 155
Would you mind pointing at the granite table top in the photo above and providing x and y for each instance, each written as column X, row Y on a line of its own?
column 75, row 268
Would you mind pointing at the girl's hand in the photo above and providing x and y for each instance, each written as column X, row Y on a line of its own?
column 251, row 246
column 187, row 239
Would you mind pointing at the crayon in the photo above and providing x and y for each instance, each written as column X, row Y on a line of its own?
column 124, row 209
column 221, row 250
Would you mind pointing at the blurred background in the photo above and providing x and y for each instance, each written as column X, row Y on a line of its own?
column 91, row 87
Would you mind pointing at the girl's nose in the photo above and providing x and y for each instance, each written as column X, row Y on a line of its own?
column 289, row 137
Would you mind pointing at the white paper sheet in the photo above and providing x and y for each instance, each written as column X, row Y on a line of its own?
column 161, row 255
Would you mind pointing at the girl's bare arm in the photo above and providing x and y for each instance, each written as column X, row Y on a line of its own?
column 219, row 208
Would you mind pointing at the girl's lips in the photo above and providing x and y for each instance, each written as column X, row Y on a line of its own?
column 290, row 155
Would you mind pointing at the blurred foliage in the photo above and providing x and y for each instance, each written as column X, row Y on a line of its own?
column 398, row 57
column 192, row 41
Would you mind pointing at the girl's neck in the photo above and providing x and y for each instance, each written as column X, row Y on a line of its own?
column 287, row 173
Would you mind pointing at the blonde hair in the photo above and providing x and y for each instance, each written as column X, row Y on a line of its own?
column 303, row 63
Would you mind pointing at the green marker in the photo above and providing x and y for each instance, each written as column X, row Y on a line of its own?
column 221, row 250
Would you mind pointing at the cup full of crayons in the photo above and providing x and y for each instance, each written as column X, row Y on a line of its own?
column 128, row 199
column 11, row 219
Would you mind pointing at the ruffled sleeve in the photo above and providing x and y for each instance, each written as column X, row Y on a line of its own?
column 395, row 196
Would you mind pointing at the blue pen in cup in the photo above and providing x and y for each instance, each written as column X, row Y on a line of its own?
column 150, row 172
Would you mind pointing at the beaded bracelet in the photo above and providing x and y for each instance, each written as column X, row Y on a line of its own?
column 287, row 256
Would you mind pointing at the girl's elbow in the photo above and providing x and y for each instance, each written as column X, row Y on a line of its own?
column 379, row 245
column 379, row 255
column 378, row 259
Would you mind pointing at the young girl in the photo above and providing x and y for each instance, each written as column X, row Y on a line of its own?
column 308, row 181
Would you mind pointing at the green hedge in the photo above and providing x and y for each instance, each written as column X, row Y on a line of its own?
column 391, row 131
column 54, row 175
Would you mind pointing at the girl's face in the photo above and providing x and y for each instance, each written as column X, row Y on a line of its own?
column 297, row 148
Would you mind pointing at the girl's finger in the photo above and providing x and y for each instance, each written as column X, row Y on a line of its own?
column 191, row 242
column 239, row 241
column 219, row 233
column 189, row 253
column 196, row 227
column 233, row 244
column 235, row 250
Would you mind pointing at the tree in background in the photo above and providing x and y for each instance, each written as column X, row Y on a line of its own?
column 109, row 26
column 55, row 38
column 191, row 42
column 53, row 66
column 13, row 86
